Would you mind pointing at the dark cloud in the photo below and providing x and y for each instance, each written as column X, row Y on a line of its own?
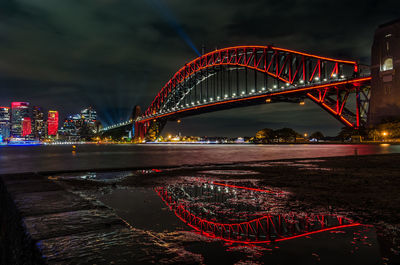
column 113, row 54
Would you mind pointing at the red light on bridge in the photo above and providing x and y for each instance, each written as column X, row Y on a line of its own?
column 244, row 188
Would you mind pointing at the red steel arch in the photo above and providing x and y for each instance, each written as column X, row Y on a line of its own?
column 326, row 81
column 269, row 61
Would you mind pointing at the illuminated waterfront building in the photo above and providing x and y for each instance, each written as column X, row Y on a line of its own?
column 26, row 127
column 19, row 111
column 38, row 124
column 80, row 126
column 4, row 122
column 89, row 116
column 52, row 123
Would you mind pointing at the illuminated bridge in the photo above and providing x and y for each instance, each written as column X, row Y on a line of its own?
column 239, row 214
column 249, row 75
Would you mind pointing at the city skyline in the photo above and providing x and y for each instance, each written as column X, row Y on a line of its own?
column 22, row 121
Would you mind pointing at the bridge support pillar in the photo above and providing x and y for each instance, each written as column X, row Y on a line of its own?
column 154, row 129
column 148, row 131
column 139, row 132
column 385, row 72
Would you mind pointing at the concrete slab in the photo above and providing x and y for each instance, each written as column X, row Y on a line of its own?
column 111, row 246
column 67, row 223
column 48, row 202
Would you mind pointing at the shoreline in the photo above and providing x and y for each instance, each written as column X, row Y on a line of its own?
column 205, row 143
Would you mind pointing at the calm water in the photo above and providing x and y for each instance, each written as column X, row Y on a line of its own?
column 220, row 225
column 44, row 158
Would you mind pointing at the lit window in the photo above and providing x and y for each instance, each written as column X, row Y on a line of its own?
column 388, row 64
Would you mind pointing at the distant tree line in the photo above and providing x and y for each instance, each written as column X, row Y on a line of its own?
column 388, row 129
column 268, row 135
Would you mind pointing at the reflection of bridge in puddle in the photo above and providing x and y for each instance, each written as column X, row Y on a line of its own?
column 243, row 215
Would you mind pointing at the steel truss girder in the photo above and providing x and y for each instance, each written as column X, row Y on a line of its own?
column 335, row 100
column 287, row 66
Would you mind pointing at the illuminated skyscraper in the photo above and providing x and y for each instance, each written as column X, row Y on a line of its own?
column 26, row 126
column 89, row 115
column 19, row 111
column 4, row 122
column 52, row 123
column 38, row 126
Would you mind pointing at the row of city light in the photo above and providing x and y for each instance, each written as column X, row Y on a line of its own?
column 226, row 96
column 116, row 125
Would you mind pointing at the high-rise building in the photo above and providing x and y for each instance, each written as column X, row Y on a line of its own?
column 19, row 111
column 385, row 72
column 38, row 125
column 26, row 127
column 89, row 115
column 52, row 123
column 4, row 122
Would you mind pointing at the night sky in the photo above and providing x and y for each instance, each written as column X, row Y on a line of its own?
column 114, row 54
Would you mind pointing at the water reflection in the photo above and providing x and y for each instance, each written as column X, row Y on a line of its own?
column 239, row 214
column 241, row 222
column 97, row 176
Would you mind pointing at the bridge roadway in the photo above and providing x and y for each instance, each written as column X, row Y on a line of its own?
column 248, row 75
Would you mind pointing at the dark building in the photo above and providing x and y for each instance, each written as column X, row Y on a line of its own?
column 69, row 131
column 385, row 72
column 38, row 124
column 19, row 111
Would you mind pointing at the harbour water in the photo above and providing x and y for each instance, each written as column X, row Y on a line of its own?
column 14, row 159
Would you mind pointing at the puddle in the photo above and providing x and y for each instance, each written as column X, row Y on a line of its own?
column 310, row 161
column 242, row 223
column 96, row 176
column 229, row 172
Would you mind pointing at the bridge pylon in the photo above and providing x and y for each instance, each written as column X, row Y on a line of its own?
column 385, row 72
